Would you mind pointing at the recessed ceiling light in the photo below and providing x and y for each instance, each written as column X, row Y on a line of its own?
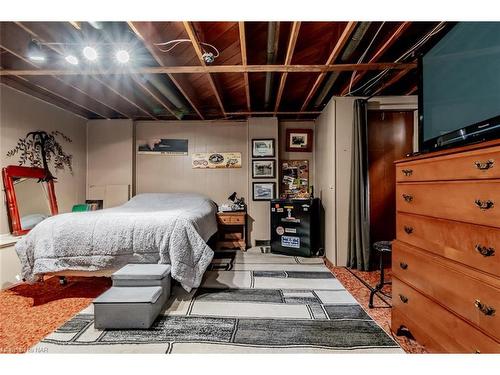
column 72, row 59
column 90, row 53
column 122, row 56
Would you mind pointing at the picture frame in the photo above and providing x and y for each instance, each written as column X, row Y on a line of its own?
column 294, row 179
column 299, row 140
column 264, row 168
column 263, row 191
column 263, row 148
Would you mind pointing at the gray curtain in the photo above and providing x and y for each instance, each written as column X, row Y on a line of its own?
column 359, row 214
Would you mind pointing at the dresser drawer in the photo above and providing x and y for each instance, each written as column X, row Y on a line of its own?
column 466, row 292
column 231, row 219
column 475, row 202
column 479, row 164
column 473, row 245
column 435, row 327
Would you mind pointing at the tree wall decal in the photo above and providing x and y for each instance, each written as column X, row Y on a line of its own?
column 40, row 148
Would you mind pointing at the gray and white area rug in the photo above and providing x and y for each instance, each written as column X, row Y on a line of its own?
column 249, row 302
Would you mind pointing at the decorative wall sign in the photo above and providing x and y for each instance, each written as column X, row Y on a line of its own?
column 212, row 160
column 162, row 147
column 263, row 191
column 263, row 148
column 263, row 168
column 300, row 140
column 294, row 179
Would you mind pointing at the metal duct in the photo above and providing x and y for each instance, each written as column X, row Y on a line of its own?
column 356, row 39
column 272, row 48
column 168, row 92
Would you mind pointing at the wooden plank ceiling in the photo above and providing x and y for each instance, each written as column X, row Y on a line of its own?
column 286, row 69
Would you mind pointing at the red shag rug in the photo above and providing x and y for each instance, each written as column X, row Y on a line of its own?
column 28, row 313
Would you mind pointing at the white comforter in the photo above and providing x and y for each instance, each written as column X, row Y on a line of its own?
column 170, row 228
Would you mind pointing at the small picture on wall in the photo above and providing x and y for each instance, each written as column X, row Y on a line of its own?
column 300, row 140
column 263, row 148
column 264, row 191
column 263, row 168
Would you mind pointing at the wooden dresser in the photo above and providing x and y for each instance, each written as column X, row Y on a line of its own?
column 446, row 256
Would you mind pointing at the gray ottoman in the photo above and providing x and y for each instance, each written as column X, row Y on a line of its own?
column 127, row 307
column 136, row 298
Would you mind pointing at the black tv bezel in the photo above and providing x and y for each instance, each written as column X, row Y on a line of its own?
column 472, row 135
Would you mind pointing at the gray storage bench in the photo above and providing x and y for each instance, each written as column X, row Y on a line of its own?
column 136, row 298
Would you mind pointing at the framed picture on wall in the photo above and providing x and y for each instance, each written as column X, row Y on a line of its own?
column 300, row 140
column 263, row 148
column 263, row 191
column 264, row 168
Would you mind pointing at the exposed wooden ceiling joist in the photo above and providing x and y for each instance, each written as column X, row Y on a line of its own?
column 391, row 39
column 196, row 45
column 215, row 69
column 412, row 90
column 294, row 34
column 176, row 82
column 243, row 45
column 344, row 38
column 392, row 81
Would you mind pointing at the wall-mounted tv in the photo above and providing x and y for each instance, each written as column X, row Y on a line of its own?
column 459, row 92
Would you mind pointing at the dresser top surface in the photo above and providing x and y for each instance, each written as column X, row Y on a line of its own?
column 456, row 150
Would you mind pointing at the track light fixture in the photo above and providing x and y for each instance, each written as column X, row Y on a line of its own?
column 72, row 59
column 122, row 56
column 35, row 51
column 90, row 53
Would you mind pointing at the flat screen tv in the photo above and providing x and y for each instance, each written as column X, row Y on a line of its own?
column 459, row 92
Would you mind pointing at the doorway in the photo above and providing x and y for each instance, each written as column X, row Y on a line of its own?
column 390, row 138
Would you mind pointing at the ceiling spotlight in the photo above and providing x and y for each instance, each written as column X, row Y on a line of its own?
column 72, row 59
column 122, row 56
column 90, row 53
column 35, row 52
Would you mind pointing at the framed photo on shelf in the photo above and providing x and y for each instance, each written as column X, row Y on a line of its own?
column 263, row 148
column 299, row 140
column 264, row 168
column 263, row 191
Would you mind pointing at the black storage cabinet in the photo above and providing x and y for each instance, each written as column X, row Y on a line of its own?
column 296, row 227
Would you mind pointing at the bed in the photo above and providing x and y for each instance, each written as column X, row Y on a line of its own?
column 169, row 228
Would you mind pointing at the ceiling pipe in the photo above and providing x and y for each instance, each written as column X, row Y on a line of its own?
column 168, row 92
column 353, row 44
column 273, row 30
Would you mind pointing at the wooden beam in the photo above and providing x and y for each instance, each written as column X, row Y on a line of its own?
column 346, row 35
column 243, row 45
column 413, row 90
column 196, row 45
column 246, row 113
column 393, row 80
column 213, row 69
column 376, row 56
column 294, row 33
column 170, row 76
column 101, row 82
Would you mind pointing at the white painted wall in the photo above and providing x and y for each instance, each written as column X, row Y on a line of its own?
column 109, row 160
column 20, row 114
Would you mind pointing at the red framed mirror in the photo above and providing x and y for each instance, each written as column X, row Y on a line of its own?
column 30, row 199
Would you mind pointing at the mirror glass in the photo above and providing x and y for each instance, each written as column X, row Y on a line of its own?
column 32, row 201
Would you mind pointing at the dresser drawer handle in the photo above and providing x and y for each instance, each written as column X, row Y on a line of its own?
column 407, row 172
column 403, row 298
column 484, row 205
column 407, row 197
column 485, row 251
column 484, row 166
column 486, row 310
column 408, row 229
column 403, row 265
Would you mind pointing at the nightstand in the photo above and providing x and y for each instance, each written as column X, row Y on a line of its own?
column 232, row 228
